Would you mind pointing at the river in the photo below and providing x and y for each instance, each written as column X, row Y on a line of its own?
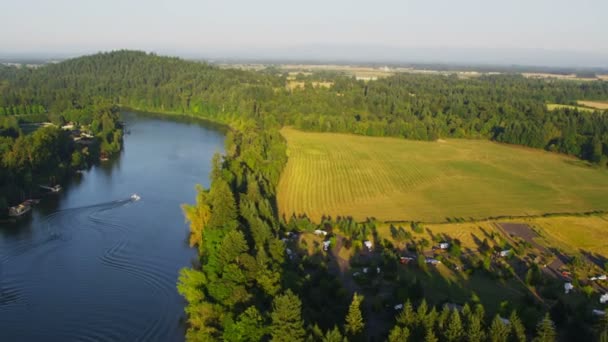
column 89, row 263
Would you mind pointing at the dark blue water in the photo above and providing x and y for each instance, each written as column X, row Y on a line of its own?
column 90, row 264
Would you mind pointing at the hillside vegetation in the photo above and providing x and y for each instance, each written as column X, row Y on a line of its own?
column 393, row 179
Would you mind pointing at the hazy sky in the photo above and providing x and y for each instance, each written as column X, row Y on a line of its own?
column 221, row 26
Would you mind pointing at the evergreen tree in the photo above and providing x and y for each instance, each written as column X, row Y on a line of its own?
column 430, row 336
column 499, row 330
column 354, row 319
column 287, row 324
column 519, row 332
column 475, row 331
column 399, row 334
column 407, row 316
column 545, row 331
column 454, row 331
column 334, row 335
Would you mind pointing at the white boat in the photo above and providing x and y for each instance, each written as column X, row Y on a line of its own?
column 19, row 210
column 135, row 197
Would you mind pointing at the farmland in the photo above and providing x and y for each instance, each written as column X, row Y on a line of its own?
column 594, row 104
column 402, row 180
column 554, row 106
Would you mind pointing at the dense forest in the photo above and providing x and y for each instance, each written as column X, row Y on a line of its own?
column 505, row 108
column 245, row 288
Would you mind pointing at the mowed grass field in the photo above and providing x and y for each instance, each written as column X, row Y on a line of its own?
column 594, row 104
column 395, row 179
column 554, row 106
column 574, row 233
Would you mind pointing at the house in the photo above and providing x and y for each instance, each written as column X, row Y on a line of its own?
column 604, row 298
column 320, row 232
column 365, row 269
column 368, row 244
column 326, row 245
column 398, row 306
column 601, row 277
column 568, row 287
column 444, row 245
column 505, row 253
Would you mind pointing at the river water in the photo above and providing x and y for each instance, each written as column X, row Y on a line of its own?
column 91, row 264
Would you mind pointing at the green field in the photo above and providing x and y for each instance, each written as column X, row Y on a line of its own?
column 554, row 106
column 397, row 179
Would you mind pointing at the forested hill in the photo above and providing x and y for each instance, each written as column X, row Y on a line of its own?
column 507, row 108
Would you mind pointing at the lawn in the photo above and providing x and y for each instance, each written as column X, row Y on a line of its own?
column 395, row 179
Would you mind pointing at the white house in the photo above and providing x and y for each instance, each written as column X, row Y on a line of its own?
column 368, row 244
column 320, row 232
column 398, row 306
column 444, row 245
column 326, row 245
column 604, row 298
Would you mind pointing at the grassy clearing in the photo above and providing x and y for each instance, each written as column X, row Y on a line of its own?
column 402, row 180
column 554, row 106
column 574, row 234
column 469, row 233
column 594, row 104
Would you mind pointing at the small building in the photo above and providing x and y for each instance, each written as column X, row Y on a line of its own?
column 604, row 298
column 568, row 287
column 398, row 306
column 326, row 245
column 505, row 253
column 598, row 312
column 320, row 232
column 368, row 244
column 444, row 245
column 601, row 277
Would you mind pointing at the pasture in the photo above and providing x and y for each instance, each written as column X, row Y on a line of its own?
column 554, row 106
column 394, row 179
column 603, row 105
column 574, row 234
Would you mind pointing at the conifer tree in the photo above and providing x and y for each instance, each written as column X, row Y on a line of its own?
column 499, row 330
column 399, row 334
column 454, row 331
column 545, row 331
column 287, row 324
column 354, row 319
column 518, row 330
column 475, row 331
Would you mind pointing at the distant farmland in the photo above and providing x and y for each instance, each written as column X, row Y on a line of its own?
column 396, row 179
column 554, row 106
column 594, row 104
